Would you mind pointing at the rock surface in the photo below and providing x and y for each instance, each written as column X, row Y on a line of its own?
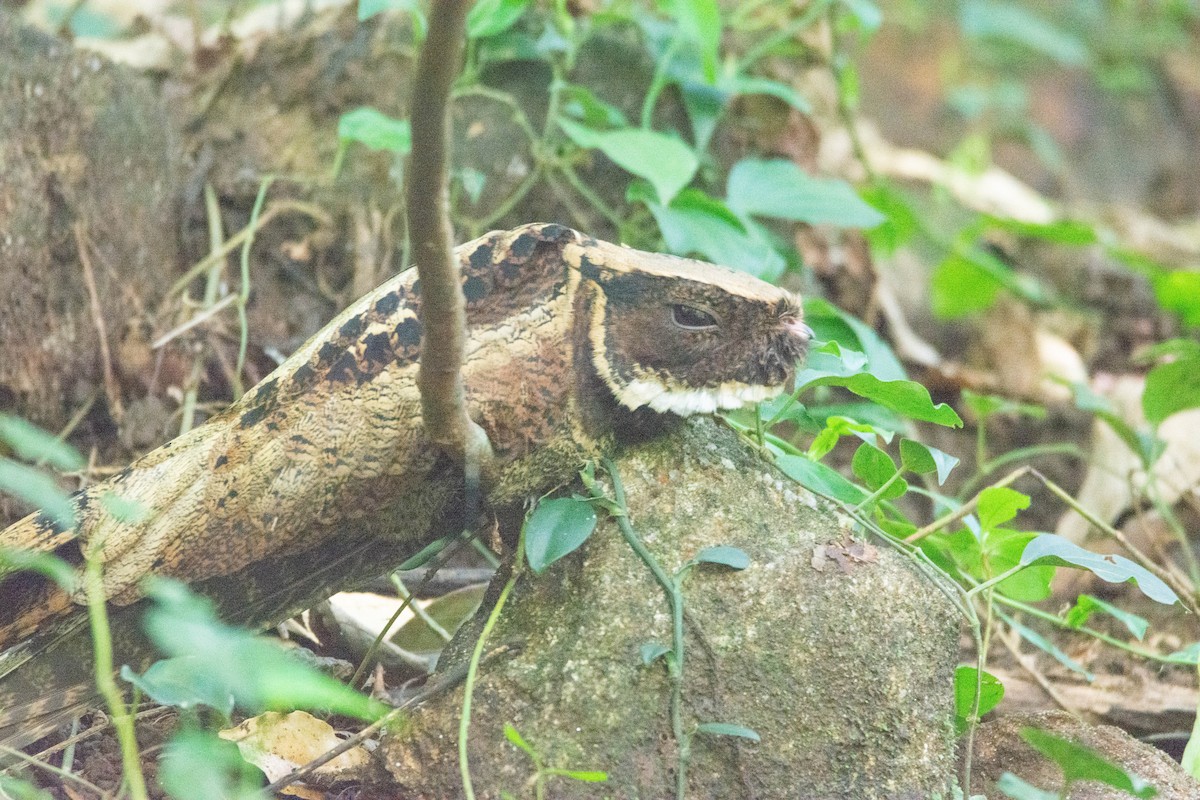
column 841, row 662
column 999, row 748
column 89, row 162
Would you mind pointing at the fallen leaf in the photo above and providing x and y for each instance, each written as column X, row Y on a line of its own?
column 279, row 744
column 1115, row 472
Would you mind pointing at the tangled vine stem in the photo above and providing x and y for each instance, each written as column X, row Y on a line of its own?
column 672, row 589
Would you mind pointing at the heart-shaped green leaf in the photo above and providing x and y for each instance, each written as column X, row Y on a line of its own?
column 555, row 528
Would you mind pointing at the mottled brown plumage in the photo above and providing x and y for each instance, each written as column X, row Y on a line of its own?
column 321, row 475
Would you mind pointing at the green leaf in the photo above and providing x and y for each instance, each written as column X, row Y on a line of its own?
column 901, row 222
column 515, row 737
column 960, row 286
column 376, row 130
column 819, row 478
column 18, row 789
column 1171, row 349
column 866, row 13
column 1001, row 551
column 1048, row 647
column 584, row 775
column 753, row 84
column 700, row 22
column 780, row 189
column 849, row 86
column 85, row 22
column 664, row 160
column 906, row 397
column 15, row 560
column 490, row 17
column 728, row 729
column 652, row 651
column 1142, row 443
column 988, row 552
column 259, row 674
column 984, row 554
column 922, row 458
column 831, row 358
column 1170, row 388
column 556, row 528
column 582, row 104
column 555, row 39
column 197, row 765
column 1049, row 548
column 1019, row 789
column 1189, row 655
column 835, row 428
column 998, row 505
column 38, row 489
column 1004, row 549
column 696, row 224
column 897, row 529
column 831, row 323
column 31, row 443
column 984, row 405
column 705, row 105
column 876, row 468
column 1017, row 24
column 991, row 692
column 1080, row 763
column 509, row 46
column 1066, row 231
column 1178, row 291
column 727, row 556
column 182, row 682
column 1086, row 605
column 1190, row 761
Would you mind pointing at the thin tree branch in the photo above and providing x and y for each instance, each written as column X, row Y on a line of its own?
column 442, row 311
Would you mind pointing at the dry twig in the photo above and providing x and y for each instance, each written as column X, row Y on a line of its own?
column 111, row 391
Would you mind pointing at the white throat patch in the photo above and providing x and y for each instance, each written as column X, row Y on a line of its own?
column 684, row 402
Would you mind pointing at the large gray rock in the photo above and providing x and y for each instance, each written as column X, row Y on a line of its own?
column 999, row 748
column 87, row 161
column 845, row 671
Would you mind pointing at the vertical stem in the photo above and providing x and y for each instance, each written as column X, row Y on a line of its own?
column 657, row 84
column 672, row 589
column 870, row 499
column 682, row 740
column 122, row 719
column 464, row 724
column 244, row 291
column 427, row 198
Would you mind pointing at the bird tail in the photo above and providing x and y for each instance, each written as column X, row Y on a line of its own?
column 49, row 679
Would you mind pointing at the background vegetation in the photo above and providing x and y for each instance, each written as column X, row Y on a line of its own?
column 991, row 209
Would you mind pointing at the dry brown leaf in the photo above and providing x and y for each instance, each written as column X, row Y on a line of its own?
column 992, row 191
column 1029, row 361
column 1115, row 472
column 279, row 744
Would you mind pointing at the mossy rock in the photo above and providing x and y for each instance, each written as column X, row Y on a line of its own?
column 842, row 665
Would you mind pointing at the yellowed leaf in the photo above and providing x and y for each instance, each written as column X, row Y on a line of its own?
column 278, row 744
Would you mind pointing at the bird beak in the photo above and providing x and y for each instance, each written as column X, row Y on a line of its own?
column 799, row 330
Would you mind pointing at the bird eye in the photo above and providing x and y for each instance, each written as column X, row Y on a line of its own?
column 692, row 318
